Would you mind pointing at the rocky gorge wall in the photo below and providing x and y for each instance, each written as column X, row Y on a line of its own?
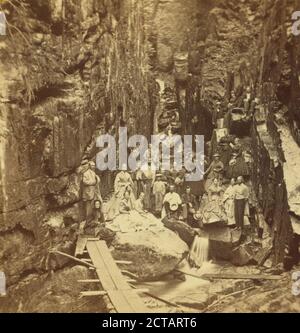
column 276, row 128
column 262, row 54
column 231, row 45
column 68, row 67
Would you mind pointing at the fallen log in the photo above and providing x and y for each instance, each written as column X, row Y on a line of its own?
column 221, row 299
column 234, row 276
column 158, row 298
column 73, row 258
column 242, row 276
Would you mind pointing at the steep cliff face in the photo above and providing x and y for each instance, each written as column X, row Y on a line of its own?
column 229, row 46
column 204, row 49
column 68, row 67
column 276, row 127
column 249, row 44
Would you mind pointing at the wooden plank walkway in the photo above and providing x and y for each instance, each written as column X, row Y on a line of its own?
column 122, row 296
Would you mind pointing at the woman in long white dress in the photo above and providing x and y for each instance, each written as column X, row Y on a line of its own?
column 123, row 183
column 136, row 218
column 140, row 214
column 228, row 201
column 213, row 210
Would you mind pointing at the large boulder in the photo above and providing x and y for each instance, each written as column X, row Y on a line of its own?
column 153, row 249
column 222, row 241
column 243, row 255
column 184, row 231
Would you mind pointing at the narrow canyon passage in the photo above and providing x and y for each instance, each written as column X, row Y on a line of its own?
column 226, row 70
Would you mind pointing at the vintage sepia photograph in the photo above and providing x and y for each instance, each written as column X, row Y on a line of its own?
column 150, row 158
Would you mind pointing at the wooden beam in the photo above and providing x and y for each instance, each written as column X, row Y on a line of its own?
column 89, row 281
column 123, row 262
column 130, row 274
column 93, row 293
column 86, row 260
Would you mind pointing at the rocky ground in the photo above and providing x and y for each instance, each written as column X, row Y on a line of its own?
column 57, row 292
column 229, row 296
column 60, row 292
column 268, row 297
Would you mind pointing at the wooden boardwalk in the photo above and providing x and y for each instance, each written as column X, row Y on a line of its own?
column 123, row 297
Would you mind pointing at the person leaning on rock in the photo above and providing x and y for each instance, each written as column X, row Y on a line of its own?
column 241, row 197
column 90, row 191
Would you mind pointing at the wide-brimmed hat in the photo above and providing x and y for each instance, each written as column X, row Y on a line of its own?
column 198, row 216
column 216, row 155
column 174, row 207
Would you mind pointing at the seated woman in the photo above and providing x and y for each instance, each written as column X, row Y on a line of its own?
column 133, row 218
column 212, row 207
column 215, row 170
column 139, row 204
column 141, row 215
column 125, row 204
column 123, row 219
column 228, row 201
column 123, row 183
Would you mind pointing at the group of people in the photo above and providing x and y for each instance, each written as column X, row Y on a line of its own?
column 147, row 191
column 166, row 195
column 226, row 204
column 236, row 203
